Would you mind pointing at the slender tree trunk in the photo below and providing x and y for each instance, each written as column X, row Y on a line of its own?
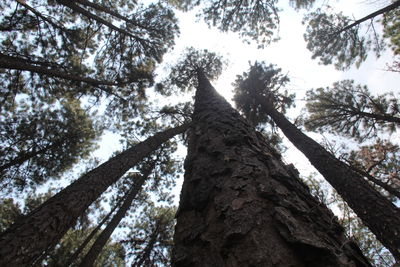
column 146, row 252
column 28, row 237
column 377, row 212
column 77, row 252
column 388, row 8
column 102, row 239
column 241, row 206
column 16, row 63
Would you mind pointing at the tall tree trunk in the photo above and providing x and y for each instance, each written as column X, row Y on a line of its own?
column 377, row 212
column 391, row 190
column 102, row 239
column 242, row 206
column 147, row 250
column 28, row 237
column 79, row 250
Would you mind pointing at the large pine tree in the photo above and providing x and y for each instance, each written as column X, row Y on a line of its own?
column 31, row 235
column 242, row 206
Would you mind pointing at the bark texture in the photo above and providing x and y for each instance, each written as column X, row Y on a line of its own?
column 242, row 206
column 26, row 239
column 380, row 215
column 102, row 239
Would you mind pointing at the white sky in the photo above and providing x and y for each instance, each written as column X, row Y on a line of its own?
column 289, row 53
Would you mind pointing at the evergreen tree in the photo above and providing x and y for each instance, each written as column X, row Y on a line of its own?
column 379, row 163
column 351, row 110
column 150, row 241
column 377, row 213
column 75, row 49
column 102, row 239
column 241, row 206
column 336, row 39
column 256, row 20
column 30, row 236
column 349, row 184
column 260, row 80
column 41, row 142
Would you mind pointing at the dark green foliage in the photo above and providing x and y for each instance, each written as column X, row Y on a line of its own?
column 149, row 242
column 351, row 110
column 41, row 142
column 299, row 4
column 252, row 90
column 113, row 253
column 326, row 41
column 339, row 40
column 255, row 20
column 183, row 74
column 80, row 41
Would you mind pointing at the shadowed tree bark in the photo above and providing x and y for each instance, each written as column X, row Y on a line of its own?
column 102, row 239
column 242, row 206
column 377, row 213
column 30, row 236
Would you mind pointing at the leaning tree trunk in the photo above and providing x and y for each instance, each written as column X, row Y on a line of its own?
column 83, row 245
column 149, row 247
column 102, row 239
column 28, row 237
column 242, row 206
column 380, row 215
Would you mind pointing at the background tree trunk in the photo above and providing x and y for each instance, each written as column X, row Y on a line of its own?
column 28, row 237
column 241, row 206
column 79, row 250
column 102, row 239
column 377, row 213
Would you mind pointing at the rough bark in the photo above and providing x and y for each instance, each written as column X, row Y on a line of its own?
column 242, row 206
column 102, row 239
column 27, row 238
column 380, row 215
column 378, row 182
